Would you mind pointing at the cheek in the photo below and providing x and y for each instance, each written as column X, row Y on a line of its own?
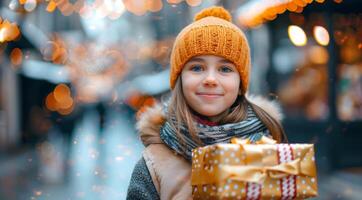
column 232, row 85
column 186, row 87
column 189, row 82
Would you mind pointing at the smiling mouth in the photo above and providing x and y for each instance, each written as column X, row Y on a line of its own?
column 209, row 95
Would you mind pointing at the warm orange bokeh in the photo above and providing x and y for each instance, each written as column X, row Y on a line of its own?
column 174, row 1
column 267, row 10
column 55, row 51
column 66, row 111
column 16, row 56
column 61, row 92
column 154, row 5
column 193, row 2
column 147, row 102
column 137, row 7
column 51, row 6
column 50, row 102
column 8, row 31
column 60, row 100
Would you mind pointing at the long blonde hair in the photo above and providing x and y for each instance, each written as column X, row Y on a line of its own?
column 179, row 109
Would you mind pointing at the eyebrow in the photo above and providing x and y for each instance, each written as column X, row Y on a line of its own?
column 226, row 61
column 203, row 60
column 197, row 60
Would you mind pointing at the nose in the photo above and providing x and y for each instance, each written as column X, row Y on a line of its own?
column 210, row 79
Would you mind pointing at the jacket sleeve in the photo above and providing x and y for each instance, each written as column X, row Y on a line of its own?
column 141, row 185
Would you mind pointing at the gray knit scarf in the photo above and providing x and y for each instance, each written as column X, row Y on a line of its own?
column 251, row 128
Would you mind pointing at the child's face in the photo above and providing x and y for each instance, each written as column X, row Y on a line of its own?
column 210, row 84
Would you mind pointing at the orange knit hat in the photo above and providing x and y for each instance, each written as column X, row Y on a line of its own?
column 211, row 33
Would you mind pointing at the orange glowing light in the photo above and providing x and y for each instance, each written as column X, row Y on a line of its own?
column 16, row 56
column 148, row 102
column 60, row 100
column 318, row 55
column 8, row 31
column 66, row 103
column 264, row 10
column 174, row 1
column 55, row 51
column 50, row 51
column 291, row 6
column 66, row 111
column 135, row 100
column 299, row 9
column 154, row 5
column 51, row 6
column 300, row 3
column 194, row 2
column 137, row 7
column 279, row 9
column 67, row 8
column 62, row 57
column 50, row 102
column 61, row 93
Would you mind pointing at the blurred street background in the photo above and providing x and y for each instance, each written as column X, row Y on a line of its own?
column 75, row 74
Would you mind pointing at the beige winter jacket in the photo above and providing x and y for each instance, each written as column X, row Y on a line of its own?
column 170, row 172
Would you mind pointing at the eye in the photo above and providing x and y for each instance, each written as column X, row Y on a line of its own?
column 196, row 68
column 225, row 69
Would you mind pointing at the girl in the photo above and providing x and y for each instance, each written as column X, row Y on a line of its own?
column 210, row 64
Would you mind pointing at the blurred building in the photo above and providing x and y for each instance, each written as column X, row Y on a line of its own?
column 313, row 58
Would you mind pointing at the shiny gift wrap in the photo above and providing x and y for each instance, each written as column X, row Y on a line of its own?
column 266, row 170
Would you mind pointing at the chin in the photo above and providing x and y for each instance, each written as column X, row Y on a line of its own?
column 209, row 113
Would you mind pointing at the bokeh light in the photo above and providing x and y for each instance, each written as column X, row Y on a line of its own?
column 174, row 1
column 16, row 56
column 321, row 35
column 60, row 100
column 154, row 5
column 137, row 7
column 318, row 55
column 30, row 5
column 193, row 2
column 8, row 31
column 50, row 51
column 51, row 6
column 50, row 102
column 61, row 92
column 297, row 35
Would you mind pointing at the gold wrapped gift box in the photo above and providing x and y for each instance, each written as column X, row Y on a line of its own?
column 265, row 170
